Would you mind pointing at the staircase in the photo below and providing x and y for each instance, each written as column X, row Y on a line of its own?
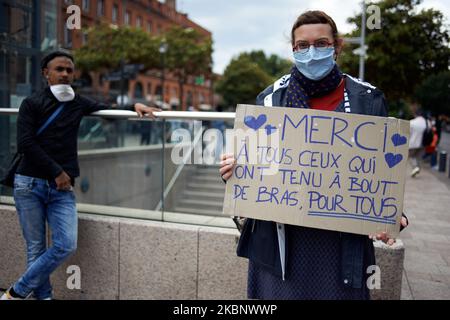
column 204, row 192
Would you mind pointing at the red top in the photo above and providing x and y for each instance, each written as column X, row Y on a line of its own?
column 331, row 101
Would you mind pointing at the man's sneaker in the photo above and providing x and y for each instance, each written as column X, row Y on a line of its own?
column 8, row 296
column 415, row 172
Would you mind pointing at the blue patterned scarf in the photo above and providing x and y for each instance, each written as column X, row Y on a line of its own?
column 301, row 89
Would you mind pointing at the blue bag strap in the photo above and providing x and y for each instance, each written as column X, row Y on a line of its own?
column 50, row 120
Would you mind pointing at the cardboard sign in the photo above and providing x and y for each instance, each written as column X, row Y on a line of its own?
column 319, row 169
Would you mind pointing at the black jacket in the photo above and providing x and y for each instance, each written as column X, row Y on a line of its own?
column 55, row 149
column 259, row 240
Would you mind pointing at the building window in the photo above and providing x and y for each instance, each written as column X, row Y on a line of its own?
column 201, row 98
column 85, row 38
column 86, row 5
column 149, row 26
column 127, row 20
column 115, row 13
column 138, row 91
column 149, row 88
column 139, row 22
column 100, row 7
column 49, row 40
column 189, row 99
column 158, row 92
column 68, row 37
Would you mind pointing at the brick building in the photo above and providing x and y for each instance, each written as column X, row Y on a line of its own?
column 152, row 16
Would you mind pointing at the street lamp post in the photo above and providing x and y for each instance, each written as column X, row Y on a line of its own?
column 122, row 82
column 211, row 84
column 162, row 51
column 362, row 50
column 362, row 56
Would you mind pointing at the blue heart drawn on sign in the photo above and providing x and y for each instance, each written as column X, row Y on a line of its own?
column 393, row 159
column 255, row 123
column 398, row 140
column 270, row 129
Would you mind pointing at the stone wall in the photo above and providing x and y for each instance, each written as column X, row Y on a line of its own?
column 125, row 258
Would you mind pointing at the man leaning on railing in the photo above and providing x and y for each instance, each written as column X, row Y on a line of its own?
column 45, row 170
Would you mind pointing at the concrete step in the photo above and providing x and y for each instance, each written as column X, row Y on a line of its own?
column 201, row 204
column 204, row 192
column 206, row 195
column 198, row 211
column 212, row 175
column 206, row 166
column 203, row 166
column 210, row 170
column 205, row 187
column 207, row 178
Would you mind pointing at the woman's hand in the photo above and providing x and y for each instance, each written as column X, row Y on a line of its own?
column 385, row 237
column 226, row 165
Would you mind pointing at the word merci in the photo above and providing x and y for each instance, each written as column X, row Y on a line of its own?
column 313, row 125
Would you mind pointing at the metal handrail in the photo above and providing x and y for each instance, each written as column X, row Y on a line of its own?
column 168, row 115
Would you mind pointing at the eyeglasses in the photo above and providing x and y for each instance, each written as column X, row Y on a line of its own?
column 320, row 44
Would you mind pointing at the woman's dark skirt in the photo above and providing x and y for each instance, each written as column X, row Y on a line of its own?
column 313, row 270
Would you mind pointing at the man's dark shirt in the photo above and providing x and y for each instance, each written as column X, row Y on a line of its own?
column 55, row 149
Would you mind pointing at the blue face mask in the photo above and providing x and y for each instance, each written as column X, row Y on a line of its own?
column 315, row 64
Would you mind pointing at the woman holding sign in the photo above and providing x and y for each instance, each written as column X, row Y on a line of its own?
column 293, row 262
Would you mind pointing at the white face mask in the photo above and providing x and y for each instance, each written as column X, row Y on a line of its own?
column 63, row 92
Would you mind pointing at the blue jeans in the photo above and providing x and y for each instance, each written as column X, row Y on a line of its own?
column 38, row 202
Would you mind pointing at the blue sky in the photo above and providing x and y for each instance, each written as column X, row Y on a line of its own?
column 244, row 25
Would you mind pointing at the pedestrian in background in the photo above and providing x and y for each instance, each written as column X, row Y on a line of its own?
column 418, row 125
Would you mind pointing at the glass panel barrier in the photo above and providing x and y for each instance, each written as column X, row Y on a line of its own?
column 120, row 163
column 194, row 191
column 165, row 169
column 7, row 147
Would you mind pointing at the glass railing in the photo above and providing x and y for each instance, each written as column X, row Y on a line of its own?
column 7, row 145
column 164, row 169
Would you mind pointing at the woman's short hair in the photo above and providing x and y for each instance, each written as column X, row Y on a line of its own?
column 313, row 17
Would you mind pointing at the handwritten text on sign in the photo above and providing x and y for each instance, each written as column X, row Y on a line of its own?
column 319, row 169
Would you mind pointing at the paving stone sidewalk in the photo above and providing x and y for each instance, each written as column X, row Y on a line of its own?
column 427, row 240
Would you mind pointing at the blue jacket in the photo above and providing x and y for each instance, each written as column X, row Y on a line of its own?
column 264, row 242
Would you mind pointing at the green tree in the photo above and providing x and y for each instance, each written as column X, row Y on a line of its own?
column 242, row 80
column 106, row 47
column 410, row 46
column 273, row 65
column 434, row 93
column 188, row 54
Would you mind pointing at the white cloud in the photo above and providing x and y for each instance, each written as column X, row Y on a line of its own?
column 244, row 25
